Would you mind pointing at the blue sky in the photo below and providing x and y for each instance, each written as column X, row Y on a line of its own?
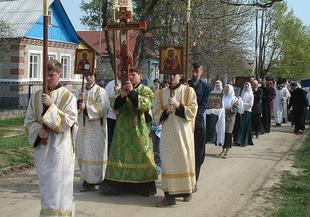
column 72, row 7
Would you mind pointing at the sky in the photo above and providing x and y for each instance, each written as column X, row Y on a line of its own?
column 72, row 7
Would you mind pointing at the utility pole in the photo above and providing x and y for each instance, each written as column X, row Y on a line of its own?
column 188, row 20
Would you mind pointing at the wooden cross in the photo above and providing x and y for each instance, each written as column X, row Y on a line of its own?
column 124, row 25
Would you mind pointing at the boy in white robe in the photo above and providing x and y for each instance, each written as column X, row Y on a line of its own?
column 92, row 135
column 177, row 115
column 52, row 134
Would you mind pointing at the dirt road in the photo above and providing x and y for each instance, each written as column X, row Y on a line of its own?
column 234, row 187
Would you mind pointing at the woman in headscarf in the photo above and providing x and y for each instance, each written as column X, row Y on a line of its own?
column 218, row 87
column 230, row 104
column 245, row 132
column 212, row 117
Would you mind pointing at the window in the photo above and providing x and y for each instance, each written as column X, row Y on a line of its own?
column 34, row 65
column 51, row 57
column 65, row 61
column 50, row 15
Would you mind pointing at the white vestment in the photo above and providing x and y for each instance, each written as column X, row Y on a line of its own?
column 177, row 150
column 109, row 89
column 280, row 104
column 92, row 136
column 54, row 161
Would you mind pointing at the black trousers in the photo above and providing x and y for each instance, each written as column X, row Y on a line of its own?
column 299, row 119
column 256, row 123
column 111, row 126
column 200, row 146
column 266, row 119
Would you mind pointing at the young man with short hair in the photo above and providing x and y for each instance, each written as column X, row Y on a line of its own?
column 52, row 133
column 92, row 144
column 177, row 115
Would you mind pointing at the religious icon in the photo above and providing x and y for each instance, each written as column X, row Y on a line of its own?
column 84, row 61
column 171, row 60
column 214, row 101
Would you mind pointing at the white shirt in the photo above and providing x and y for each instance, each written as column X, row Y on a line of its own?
column 109, row 89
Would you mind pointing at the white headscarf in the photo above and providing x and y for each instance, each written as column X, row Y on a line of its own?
column 217, row 90
column 229, row 100
column 247, row 93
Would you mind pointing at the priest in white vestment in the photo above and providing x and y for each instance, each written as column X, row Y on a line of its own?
column 52, row 135
column 280, row 104
column 177, row 116
column 92, row 135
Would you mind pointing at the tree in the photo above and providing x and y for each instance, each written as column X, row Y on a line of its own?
column 5, row 29
column 221, row 35
column 294, row 61
column 253, row 3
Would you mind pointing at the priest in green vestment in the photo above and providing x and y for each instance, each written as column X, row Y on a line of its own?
column 131, row 166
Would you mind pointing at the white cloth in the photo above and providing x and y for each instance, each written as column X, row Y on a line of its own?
column 241, row 106
column 308, row 95
column 280, row 104
column 92, row 137
column 247, row 98
column 177, row 150
column 229, row 99
column 54, row 161
column 109, row 89
column 220, row 124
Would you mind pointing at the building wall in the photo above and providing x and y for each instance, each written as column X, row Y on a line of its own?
column 15, row 85
column 10, row 59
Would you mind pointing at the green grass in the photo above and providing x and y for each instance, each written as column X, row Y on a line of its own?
column 295, row 190
column 12, row 122
column 14, row 150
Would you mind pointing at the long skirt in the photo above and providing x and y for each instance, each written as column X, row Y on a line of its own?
column 245, row 131
column 238, row 122
column 228, row 140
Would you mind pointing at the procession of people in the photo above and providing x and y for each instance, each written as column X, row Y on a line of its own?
column 158, row 133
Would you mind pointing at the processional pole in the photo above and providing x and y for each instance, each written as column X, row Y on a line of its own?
column 188, row 20
column 45, row 45
column 114, row 37
column 45, row 57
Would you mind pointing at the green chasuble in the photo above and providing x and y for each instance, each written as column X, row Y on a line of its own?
column 131, row 157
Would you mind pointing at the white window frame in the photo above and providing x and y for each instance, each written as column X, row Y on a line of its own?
column 69, row 65
column 52, row 54
column 35, row 52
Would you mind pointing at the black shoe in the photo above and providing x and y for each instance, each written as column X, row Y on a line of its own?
column 278, row 125
column 107, row 189
column 87, row 187
column 166, row 202
column 300, row 132
column 187, row 199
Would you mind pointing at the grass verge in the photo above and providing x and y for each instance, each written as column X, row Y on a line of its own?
column 295, row 189
column 14, row 149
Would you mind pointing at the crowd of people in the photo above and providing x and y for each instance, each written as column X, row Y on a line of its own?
column 126, row 135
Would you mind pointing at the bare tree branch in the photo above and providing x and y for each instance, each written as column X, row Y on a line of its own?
column 254, row 4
